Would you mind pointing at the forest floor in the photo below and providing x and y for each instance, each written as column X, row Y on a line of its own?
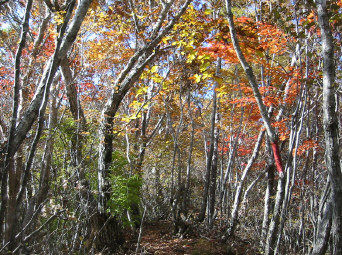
column 157, row 238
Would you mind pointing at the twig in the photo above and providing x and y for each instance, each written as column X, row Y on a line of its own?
column 140, row 231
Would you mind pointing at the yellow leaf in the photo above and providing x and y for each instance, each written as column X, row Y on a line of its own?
column 154, row 69
column 208, row 11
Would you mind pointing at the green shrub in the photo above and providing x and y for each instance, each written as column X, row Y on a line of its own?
column 125, row 189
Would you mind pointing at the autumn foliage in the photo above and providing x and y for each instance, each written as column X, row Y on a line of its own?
column 128, row 113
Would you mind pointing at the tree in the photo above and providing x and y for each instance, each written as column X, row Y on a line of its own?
column 19, row 128
column 330, row 123
column 108, row 107
column 271, row 237
column 143, row 55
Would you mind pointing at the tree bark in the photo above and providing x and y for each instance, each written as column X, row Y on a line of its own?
column 209, row 161
column 18, row 131
column 8, row 166
column 254, row 85
column 330, row 123
column 268, row 202
column 272, row 233
column 324, row 221
column 187, row 192
column 239, row 188
column 213, row 173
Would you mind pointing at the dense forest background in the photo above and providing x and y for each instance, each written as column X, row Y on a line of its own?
column 221, row 117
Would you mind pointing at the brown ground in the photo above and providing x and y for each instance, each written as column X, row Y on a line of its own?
column 158, row 239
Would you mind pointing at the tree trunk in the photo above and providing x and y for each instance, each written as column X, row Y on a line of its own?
column 330, row 123
column 271, row 237
column 18, row 132
column 254, row 85
column 324, row 221
column 187, row 192
column 213, row 177
column 213, row 173
column 268, row 202
column 236, row 205
column 209, row 161
column 124, row 82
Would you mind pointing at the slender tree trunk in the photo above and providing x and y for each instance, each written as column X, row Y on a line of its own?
column 254, row 85
column 78, row 116
column 230, row 162
column 8, row 164
column 268, row 202
column 213, row 177
column 187, row 192
column 330, row 123
column 271, row 237
column 324, row 222
column 215, row 159
column 74, row 102
column 209, row 161
column 37, row 106
column 236, row 205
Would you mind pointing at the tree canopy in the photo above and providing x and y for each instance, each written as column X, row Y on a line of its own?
column 220, row 117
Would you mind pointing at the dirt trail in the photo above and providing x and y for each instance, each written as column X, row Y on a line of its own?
column 158, row 239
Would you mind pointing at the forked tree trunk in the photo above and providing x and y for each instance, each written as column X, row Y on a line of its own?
column 237, row 199
column 272, row 233
column 124, row 82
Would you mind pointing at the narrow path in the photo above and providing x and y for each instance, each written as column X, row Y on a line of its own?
column 158, row 239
